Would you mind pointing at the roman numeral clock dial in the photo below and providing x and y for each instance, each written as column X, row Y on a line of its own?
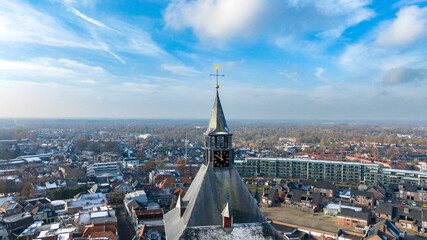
column 221, row 158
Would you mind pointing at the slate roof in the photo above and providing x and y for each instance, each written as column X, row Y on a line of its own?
column 412, row 187
column 205, row 200
column 350, row 213
column 198, row 215
column 387, row 209
column 300, row 195
column 217, row 123
column 168, row 182
column 319, row 184
column 269, row 193
column 391, row 227
column 41, row 200
column 9, row 205
column 362, row 193
column 396, row 213
column 393, row 187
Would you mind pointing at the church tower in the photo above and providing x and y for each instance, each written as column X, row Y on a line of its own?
column 217, row 205
column 218, row 139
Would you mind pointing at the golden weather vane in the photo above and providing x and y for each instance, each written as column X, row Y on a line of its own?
column 217, row 75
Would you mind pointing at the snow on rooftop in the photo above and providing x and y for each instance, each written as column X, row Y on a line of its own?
column 64, row 236
column 98, row 215
column 51, row 185
column 58, row 203
column 32, row 159
column 336, row 206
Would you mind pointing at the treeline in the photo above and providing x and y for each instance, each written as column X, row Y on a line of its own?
column 66, row 193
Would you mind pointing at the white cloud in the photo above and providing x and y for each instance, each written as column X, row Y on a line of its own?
column 88, row 81
column 220, row 19
column 347, row 13
column 405, row 75
column 88, row 19
column 141, row 87
column 179, row 69
column 407, row 28
column 223, row 20
column 83, row 3
column 51, row 70
column 365, row 57
column 318, row 73
column 40, row 28
column 20, row 22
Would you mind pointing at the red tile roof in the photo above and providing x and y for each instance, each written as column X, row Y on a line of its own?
column 168, row 182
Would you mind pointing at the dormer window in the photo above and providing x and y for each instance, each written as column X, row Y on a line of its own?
column 227, row 218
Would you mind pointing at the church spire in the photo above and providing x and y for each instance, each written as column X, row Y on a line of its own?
column 217, row 123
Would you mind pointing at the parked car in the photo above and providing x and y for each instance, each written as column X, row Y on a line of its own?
column 425, row 205
column 414, row 204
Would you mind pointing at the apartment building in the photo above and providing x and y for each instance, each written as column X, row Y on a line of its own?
column 326, row 170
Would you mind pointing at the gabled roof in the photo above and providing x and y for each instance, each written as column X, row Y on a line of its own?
column 350, row 213
column 132, row 204
column 101, row 228
column 168, row 182
column 300, row 195
column 102, row 235
column 319, row 184
column 362, row 193
column 391, row 227
column 387, row 209
column 217, row 123
column 9, row 205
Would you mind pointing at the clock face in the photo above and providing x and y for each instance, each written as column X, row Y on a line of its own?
column 221, row 158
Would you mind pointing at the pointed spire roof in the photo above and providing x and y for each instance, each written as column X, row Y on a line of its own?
column 226, row 212
column 217, row 123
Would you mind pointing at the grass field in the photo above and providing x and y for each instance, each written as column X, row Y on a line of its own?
column 252, row 187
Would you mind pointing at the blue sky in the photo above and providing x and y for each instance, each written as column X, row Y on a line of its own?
column 296, row 59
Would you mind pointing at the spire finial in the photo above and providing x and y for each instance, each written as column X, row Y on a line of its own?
column 217, row 75
column 217, row 122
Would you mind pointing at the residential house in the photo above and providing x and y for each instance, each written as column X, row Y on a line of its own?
column 411, row 192
column 175, row 182
column 45, row 214
column 406, row 218
column 270, row 197
column 130, row 162
column 363, row 198
column 326, row 189
column 352, row 218
column 10, row 207
column 17, row 222
column 85, row 201
column 145, row 233
column 100, row 188
column 151, row 218
column 124, row 187
column 162, row 196
column 304, row 199
column 384, row 229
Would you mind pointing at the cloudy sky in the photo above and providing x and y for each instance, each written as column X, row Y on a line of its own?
column 284, row 59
